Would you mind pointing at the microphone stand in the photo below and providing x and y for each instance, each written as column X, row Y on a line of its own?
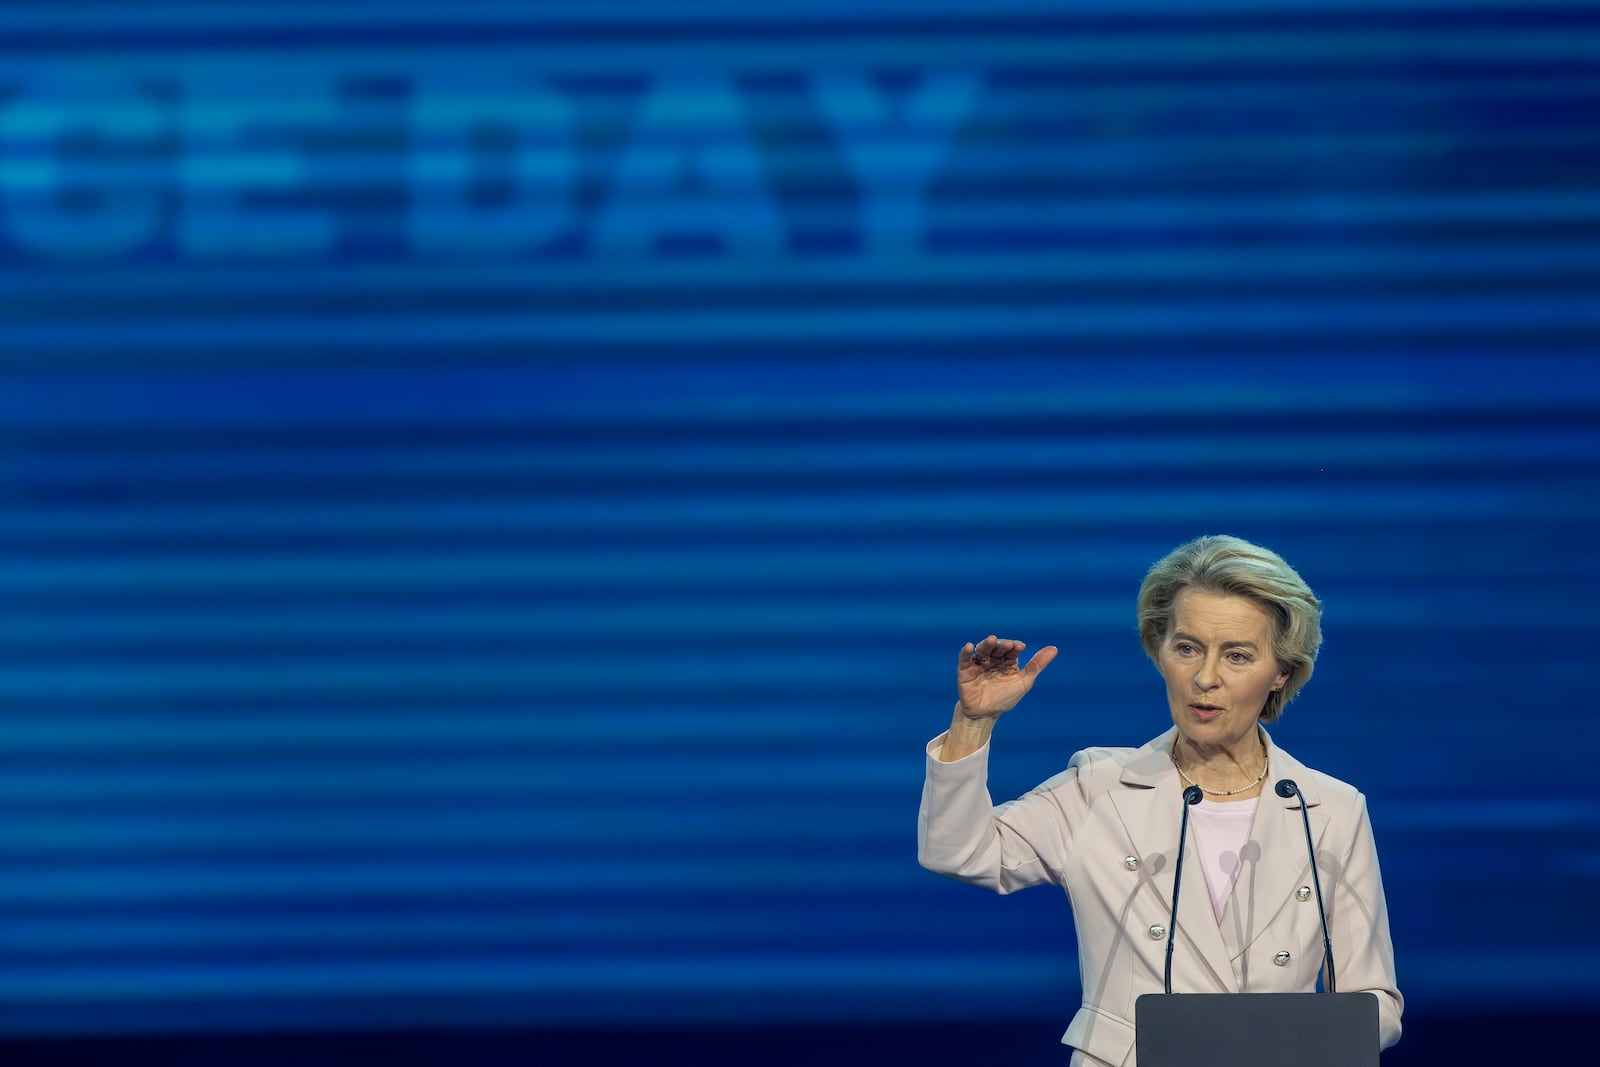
column 1287, row 788
column 1191, row 797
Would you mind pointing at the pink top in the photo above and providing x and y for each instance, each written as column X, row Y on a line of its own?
column 1220, row 833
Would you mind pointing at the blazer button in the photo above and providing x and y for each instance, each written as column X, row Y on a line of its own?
column 1281, row 959
column 1131, row 862
column 1157, row 932
column 1303, row 894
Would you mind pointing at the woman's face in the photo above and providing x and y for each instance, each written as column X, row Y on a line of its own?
column 1219, row 668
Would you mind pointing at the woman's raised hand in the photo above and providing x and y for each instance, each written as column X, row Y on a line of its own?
column 989, row 680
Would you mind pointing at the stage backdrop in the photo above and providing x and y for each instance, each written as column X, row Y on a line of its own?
column 491, row 494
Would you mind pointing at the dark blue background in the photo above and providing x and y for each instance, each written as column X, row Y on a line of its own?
column 490, row 496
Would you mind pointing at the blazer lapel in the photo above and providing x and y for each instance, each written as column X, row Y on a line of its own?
column 1274, row 861
column 1150, row 805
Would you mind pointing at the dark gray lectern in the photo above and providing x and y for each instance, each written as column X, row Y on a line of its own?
column 1257, row 1029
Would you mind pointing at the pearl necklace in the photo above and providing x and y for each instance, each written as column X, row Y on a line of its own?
column 1222, row 793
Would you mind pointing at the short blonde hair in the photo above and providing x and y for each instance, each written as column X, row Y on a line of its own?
column 1232, row 566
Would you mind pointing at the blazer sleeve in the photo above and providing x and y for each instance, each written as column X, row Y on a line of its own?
column 961, row 834
column 1358, row 922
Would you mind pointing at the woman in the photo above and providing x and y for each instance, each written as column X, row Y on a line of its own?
column 1234, row 632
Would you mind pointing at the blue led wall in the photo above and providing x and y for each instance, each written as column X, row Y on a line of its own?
column 491, row 494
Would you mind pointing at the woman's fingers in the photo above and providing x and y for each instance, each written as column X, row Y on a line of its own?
column 1041, row 659
column 992, row 653
column 989, row 679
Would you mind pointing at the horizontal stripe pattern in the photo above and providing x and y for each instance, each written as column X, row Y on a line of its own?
column 527, row 608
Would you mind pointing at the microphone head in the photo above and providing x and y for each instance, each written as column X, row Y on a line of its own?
column 1191, row 795
column 1286, row 788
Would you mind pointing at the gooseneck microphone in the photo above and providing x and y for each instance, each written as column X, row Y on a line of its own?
column 1191, row 797
column 1287, row 788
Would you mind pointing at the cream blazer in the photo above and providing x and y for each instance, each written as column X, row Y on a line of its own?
column 1106, row 831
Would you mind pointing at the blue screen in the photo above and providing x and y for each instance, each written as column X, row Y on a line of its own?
column 491, row 494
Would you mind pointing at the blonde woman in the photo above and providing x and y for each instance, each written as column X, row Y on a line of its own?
column 1234, row 632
